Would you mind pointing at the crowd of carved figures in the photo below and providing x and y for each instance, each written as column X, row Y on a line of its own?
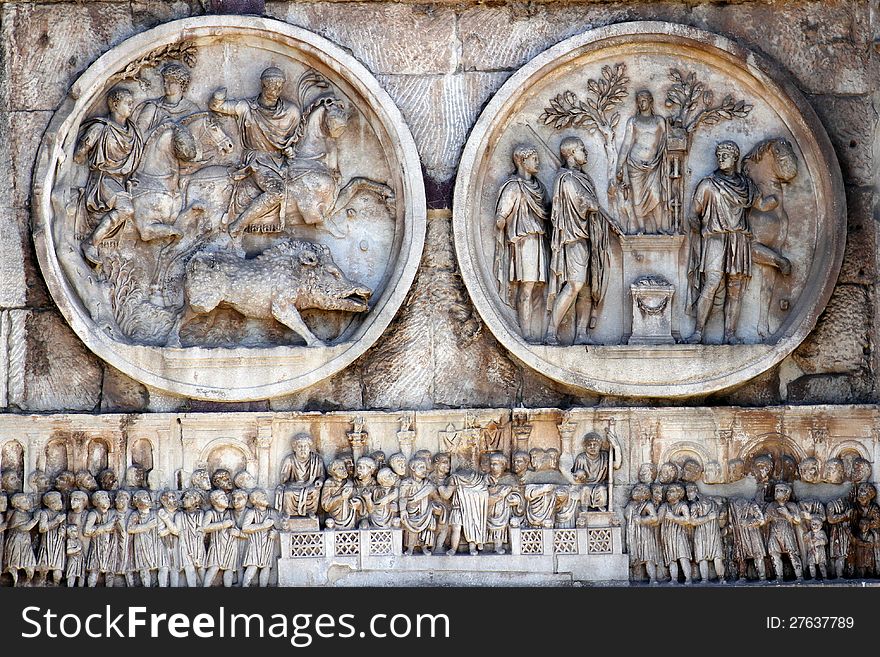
column 679, row 531
column 169, row 196
column 553, row 250
column 84, row 529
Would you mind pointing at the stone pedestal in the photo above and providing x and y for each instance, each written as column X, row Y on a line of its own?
column 652, row 300
column 654, row 255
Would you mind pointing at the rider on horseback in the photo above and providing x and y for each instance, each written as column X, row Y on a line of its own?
column 267, row 124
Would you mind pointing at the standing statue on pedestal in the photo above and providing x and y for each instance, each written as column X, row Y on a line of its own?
column 520, row 246
column 580, row 245
column 302, row 475
column 721, row 241
column 640, row 169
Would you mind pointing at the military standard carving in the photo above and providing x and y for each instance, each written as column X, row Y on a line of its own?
column 648, row 209
column 228, row 208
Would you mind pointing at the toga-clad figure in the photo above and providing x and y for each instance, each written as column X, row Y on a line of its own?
column 173, row 106
column 268, row 127
column 302, row 476
column 580, row 245
column 521, row 249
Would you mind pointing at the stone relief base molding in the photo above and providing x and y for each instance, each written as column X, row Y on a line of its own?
column 376, row 557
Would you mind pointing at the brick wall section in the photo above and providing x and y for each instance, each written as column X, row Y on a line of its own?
column 441, row 62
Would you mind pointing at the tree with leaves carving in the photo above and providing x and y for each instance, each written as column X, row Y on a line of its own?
column 692, row 103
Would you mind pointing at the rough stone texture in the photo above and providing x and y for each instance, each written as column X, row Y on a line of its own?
column 54, row 44
column 840, row 342
column 49, row 368
column 440, row 111
column 4, row 357
column 120, row 394
column 397, row 39
column 441, row 62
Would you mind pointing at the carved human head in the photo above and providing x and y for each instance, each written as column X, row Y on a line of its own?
column 593, row 444
column 100, row 500
column 762, row 468
column 816, row 523
column 175, row 74
column 647, row 473
column 397, row 462
column 386, row 477
column 11, row 481
column 573, row 151
column 338, row 470
column 192, row 499
column 861, row 470
column 674, row 492
column 418, row 468
column 245, row 480
column 520, row 462
column 135, row 476
column 736, row 469
column 497, row 464
column 65, row 481
column 108, row 479
column 142, row 500
column 86, row 481
column 442, row 463
column 122, row 500
column 39, row 481
column 78, row 501
column 379, row 457
column 170, row 500
column 727, row 154
column 644, row 100
column 668, row 473
column 222, row 479
column 691, row 491
column 365, row 468
column 302, row 446
column 657, row 493
column 21, row 501
column 865, row 493
column 691, row 470
column 809, row 470
column 259, row 499
column 712, row 473
column 426, row 456
column 219, row 499
column 201, row 479
column 120, row 101
column 525, row 158
column 834, row 472
column 536, row 458
column 552, row 458
column 239, row 499
column 782, row 492
column 271, row 83
column 54, row 502
column 641, row 493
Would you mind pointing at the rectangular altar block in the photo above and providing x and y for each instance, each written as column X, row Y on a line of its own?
column 654, row 255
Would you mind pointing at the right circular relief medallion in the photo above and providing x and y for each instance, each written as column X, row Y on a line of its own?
column 650, row 210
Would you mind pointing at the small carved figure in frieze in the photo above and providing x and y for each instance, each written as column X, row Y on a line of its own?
column 647, row 473
column 641, row 174
column 816, row 542
column 809, row 509
column 11, row 482
column 302, row 476
column 675, row 516
column 111, row 147
column 40, row 482
column 219, row 525
column 418, row 513
column 442, row 498
column 51, row 524
column 641, row 538
column 691, row 471
column 135, row 478
column 839, row 516
column 809, row 470
column 470, row 506
column 338, row 498
column 74, row 573
column 65, row 483
column 169, row 536
column 540, row 505
column 833, row 472
column 222, row 479
column 520, row 465
column 580, row 245
column 101, row 531
column 200, row 479
column 712, row 473
column 501, row 493
column 721, row 249
column 705, row 519
column 867, row 531
column 365, row 472
column 658, row 497
column 268, row 125
column 591, row 469
column 260, row 526
column 124, row 556
column 782, row 517
column 382, row 502
column 520, row 247
column 173, row 106
column 398, row 463
column 143, row 527
column 192, row 537
column 244, row 480
column 239, row 501
column 19, row 549
column 736, row 470
column 669, row 473
column 861, row 471
column 86, row 482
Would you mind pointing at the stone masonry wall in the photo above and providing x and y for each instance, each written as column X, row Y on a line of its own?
column 441, row 62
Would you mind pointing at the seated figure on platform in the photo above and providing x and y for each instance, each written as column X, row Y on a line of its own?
column 338, row 499
column 591, row 469
column 302, row 476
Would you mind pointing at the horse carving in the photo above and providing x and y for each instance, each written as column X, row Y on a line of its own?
column 771, row 165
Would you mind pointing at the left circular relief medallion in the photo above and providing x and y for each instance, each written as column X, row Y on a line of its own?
column 228, row 208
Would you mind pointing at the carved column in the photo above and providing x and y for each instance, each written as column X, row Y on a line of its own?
column 724, row 437
column 357, row 437
column 264, row 444
column 521, row 430
column 567, row 427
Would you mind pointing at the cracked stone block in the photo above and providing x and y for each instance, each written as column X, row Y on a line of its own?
column 839, row 344
column 860, row 255
column 13, row 285
column 120, row 394
column 340, row 392
column 851, row 123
